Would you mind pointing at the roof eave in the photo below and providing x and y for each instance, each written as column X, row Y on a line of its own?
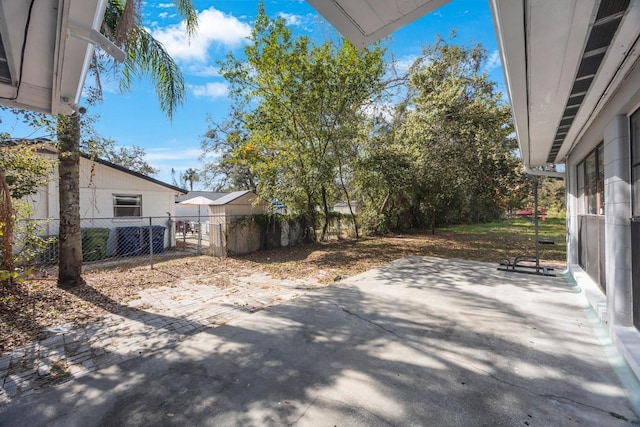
column 55, row 64
column 353, row 27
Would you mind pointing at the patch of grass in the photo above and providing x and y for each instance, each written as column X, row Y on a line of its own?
column 514, row 232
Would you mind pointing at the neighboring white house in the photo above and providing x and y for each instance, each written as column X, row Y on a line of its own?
column 573, row 76
column 111, row 196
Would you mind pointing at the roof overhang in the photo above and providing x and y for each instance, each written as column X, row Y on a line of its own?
column 365, row 21
column 563, row 60
column 46, row 72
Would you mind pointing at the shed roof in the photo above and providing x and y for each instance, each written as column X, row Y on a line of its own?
column 230, row 197
column 211, row 195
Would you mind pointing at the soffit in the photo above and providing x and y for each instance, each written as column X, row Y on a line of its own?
column 562, row 63
column 366, row 21
column 45, row 71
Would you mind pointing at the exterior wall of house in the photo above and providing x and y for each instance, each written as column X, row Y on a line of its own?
column 98, row 184
column 614, row 304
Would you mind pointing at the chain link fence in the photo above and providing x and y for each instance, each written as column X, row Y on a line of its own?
column 109, row 242
column 105, row 241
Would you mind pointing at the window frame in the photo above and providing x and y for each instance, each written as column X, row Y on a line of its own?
column 117, row 207
column 590, row 186
column 634, row 142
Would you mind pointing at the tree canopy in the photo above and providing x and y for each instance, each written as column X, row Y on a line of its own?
column 299, row 110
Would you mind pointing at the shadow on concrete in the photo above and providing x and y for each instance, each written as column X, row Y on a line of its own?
column 422, row 341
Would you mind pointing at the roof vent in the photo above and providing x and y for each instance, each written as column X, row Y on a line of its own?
column 608, row 19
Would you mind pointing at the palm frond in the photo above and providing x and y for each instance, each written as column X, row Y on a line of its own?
column 147, row 56
column 189, row 14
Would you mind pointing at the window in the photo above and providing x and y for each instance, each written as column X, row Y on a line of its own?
column 127, row 205
column 635, row 163
column 591, row 183
column 580, row 189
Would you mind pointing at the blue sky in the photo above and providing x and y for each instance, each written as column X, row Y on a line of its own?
column 134, row 118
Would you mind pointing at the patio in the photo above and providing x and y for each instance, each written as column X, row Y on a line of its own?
column 421, row 341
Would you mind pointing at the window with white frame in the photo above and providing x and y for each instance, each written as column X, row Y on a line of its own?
column 126, row 205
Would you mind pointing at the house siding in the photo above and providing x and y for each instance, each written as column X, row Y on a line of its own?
column 98, row 184
column 610, row 127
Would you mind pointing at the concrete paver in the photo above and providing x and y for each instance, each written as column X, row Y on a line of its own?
column 160, row 317
column 421, row 341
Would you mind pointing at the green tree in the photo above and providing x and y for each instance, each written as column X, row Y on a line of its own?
column 22, row 172
column 224, row 169
column 25, row 170
column 132, row 158
column 144, row 56
column 459, row 132
column 300, row 108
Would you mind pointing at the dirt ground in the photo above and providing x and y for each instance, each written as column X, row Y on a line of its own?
column 31, row 306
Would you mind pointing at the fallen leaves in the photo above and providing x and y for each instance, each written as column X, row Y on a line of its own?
column 37, row 304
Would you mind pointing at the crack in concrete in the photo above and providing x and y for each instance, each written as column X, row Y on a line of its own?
column 304, row 412
column 353, row 407
column 559, row 399
column 371, row 322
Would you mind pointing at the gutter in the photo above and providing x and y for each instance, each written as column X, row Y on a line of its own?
column 551, row 174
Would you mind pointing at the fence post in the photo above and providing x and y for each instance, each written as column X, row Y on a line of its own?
column 169, row 231
column 151, row 241
column 222, row 249
column 184, row 236
column 199, row 235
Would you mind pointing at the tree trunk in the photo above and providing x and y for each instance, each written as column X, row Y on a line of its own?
column 70, row 238
column 6, row 230
column 311, row 219
column 325, row 207
column 346, row 193
column 433, row 222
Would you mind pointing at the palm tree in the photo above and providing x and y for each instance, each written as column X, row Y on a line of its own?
column 190, row 175
column 144, row 56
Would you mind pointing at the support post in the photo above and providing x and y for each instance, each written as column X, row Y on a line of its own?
column 151, row 241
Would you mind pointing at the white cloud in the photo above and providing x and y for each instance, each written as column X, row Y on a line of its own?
column 290, row 18
column 202, row 70
column 214, row 27
column 210, row 90
column 165, row 5
column 493, row 61
column 160, row 155
column 403, row 64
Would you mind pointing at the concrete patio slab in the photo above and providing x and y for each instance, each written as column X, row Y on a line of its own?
column 421, row 341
